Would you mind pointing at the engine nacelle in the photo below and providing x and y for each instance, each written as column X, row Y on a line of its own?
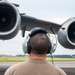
column 10, row 20
column 66, row 34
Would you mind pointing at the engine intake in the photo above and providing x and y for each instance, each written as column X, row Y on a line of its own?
column 9, row 20
column 66, row 34
column 71, row 32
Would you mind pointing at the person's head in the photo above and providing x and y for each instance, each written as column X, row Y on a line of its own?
column 39, row 41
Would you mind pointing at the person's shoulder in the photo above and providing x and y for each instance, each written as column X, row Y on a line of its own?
column 12, row 68
column 61, row 71
column 58, row 69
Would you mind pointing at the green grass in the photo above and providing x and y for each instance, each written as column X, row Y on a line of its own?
column 61, row 59
column 13, row 59
column 21, row 59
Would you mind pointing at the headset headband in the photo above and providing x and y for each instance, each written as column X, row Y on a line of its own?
column 37, row 30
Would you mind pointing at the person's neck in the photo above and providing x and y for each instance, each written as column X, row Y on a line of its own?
column 37, row 57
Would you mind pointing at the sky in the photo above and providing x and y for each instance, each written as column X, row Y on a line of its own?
column 57, row 11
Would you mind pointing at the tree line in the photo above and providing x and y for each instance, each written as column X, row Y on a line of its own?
column 48, row 55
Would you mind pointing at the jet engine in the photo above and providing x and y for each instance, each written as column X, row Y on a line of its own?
column 66, row 34
column 10, row 20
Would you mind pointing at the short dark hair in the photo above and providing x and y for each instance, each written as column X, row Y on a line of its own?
column 39, row 43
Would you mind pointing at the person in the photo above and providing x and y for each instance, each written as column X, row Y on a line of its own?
column 38, row 46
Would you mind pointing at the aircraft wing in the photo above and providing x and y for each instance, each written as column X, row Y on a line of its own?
column 31, row 22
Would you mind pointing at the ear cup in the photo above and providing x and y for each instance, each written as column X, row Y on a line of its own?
column 28, row 47
column 49, row 49
column 24, row 46
column 52, row 48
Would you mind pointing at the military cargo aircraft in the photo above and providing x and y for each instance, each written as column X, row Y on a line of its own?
column 11, row 21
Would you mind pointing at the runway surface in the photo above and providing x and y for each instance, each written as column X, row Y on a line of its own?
column 68, row 67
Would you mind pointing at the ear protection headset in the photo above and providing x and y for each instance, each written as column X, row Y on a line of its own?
column 27, row 46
